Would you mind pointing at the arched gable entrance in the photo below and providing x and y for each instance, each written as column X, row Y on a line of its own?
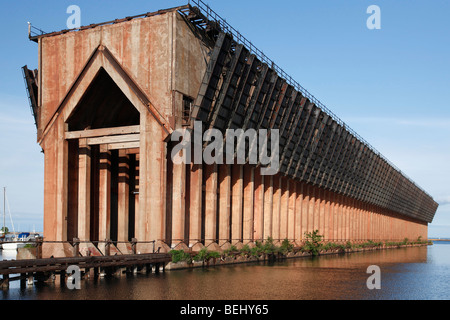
column 103, row 127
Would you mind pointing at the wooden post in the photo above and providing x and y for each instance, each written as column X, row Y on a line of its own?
column 76, row 247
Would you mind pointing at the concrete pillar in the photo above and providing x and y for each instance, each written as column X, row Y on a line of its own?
column 298, row 212
column 268, row 206
column 258, row 215
column 104, row 232
column 195, row 206
column 322, row 201
column 151, row 217
column 354, row 219
column 276, row 207
column 334, row 216
column 347, row 217
column 84, row 190
column 327, row 215
column 178, row 204
column 316, row 215
column 305, row 210
column 248, row 205
column 284, row 208
column 123, row 200
column 210, row 203
column 292, row 210
column 136, row 187
column 237, row 190
column 311, row 211
column 224, row 203
column 339, row 216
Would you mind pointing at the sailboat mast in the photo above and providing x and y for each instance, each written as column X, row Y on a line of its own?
column 4, row 210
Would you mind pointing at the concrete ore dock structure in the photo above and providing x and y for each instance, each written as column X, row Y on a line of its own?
column 107, row 99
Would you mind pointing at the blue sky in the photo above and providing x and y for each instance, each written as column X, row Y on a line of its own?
column 392, row 85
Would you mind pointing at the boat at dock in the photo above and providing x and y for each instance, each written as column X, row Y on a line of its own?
column 19, row 241
column 13, row 241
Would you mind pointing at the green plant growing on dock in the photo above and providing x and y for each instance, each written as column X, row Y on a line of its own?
column 286, row 247
column 180, row 256
column 313, row 243
column 269, row 247
column 204, row 255
column 245, row 250
column 228, row 252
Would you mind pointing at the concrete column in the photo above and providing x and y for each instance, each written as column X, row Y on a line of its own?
column 298, row 212
column 268, row 206
column 276, row 207
column 339, row 216
column 334, row 225
column 347, row 218
column 104, row 232
column 210, row 203
column 311, row 211
column 305, row 209
column 258, row 220
column 195, row 206
column 237, row 185
column 84, row 190
column 178, row 204
column 123, row 200
column 249, row 181
column 151, row 217
column 316, row 215
column 136, row 189
column 354, row 219
column 284, row 208
column 322, row 201
column 292, row 210
column 327, row 215
column 224, row 203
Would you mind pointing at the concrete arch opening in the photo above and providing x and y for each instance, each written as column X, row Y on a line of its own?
column 103, row 167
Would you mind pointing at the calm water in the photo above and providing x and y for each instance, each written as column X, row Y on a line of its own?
column 409, row 273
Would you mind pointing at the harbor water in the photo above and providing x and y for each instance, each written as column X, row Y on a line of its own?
column 413, row 273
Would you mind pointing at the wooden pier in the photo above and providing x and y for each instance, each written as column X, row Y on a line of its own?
column 42, row 269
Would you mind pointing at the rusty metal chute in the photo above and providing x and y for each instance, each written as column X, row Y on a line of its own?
column 31, row 85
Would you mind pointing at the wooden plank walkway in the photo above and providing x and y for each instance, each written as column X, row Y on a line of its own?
column 37, row 267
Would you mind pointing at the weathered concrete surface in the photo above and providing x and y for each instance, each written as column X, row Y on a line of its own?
column 155, row 65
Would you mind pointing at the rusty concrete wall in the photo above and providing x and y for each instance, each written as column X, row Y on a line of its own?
column 287, row 209
column 161, row 55
column 159, row 52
